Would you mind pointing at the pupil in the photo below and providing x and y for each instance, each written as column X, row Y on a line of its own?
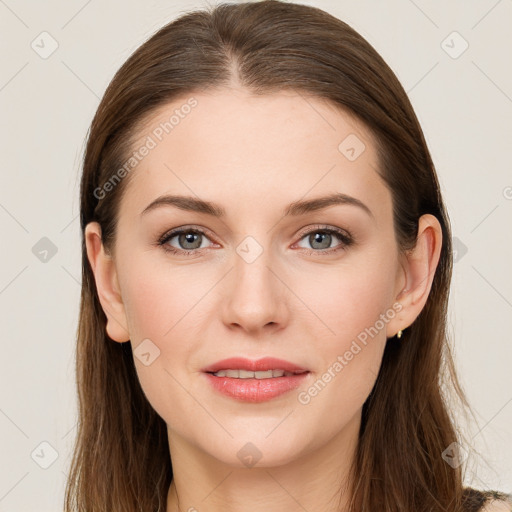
column 189, row 238
column 321, row 237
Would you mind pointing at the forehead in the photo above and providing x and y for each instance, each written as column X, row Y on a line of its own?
column 232, row 146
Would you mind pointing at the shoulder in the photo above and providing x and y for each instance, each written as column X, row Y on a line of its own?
column 498, row 504
column 486, row 501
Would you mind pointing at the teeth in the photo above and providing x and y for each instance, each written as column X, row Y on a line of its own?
column 245, row 374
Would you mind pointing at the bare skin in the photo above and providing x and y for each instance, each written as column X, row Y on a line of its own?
column 254, row 156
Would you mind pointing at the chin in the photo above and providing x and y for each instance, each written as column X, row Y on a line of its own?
column 257, row 449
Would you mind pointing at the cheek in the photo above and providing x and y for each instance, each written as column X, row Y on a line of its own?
column 157, row 311
column 158, row 298
column 353, row 305
column 347, row 299
column 161, row 305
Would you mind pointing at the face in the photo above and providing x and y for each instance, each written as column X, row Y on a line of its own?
column 316, row 287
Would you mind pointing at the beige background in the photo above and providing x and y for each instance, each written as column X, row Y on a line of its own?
column 464, row 103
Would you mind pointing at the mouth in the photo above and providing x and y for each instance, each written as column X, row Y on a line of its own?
column 254, row 381
column 247, row 374
column 265, row 364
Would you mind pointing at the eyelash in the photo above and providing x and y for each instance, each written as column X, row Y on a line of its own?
column 344, row 237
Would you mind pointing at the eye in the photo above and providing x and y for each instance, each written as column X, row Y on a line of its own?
column 188, row 241
column 321, row 238
column 184, row 240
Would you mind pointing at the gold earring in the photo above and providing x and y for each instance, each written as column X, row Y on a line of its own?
column 399, row 334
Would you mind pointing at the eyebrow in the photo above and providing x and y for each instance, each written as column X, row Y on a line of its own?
column 301, row 207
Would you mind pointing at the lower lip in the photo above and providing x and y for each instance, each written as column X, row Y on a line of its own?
column 255, row 390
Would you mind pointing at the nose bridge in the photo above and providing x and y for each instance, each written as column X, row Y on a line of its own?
column 255, row 296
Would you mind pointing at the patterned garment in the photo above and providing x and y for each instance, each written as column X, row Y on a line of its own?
column 475, row 500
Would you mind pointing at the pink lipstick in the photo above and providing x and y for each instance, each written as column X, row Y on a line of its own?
column 254, row 381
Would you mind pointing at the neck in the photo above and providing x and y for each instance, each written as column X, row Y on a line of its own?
column 315, row 481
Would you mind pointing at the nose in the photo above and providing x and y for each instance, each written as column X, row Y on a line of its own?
column 255, row 297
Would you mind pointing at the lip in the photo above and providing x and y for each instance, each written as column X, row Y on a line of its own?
column 242, row 363
column 255, row 390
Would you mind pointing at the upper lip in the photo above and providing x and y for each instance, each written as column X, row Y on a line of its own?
column 241, row 363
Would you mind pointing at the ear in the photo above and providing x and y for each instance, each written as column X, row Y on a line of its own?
column 419, row 266
column 107, row 284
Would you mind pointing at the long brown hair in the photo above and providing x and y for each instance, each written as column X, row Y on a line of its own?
column 121, row 457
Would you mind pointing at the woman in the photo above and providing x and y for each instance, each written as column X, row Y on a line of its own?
column 266, row 269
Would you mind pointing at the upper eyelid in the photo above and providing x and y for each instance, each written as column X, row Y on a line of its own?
column 321, row 227
column 171, row 233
